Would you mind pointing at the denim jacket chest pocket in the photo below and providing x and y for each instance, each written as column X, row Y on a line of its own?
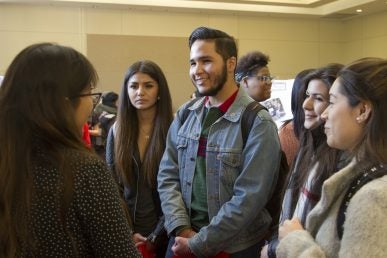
column 222, row 171
column 229, row 167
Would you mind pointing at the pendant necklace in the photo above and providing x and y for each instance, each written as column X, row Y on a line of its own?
column 146, row 135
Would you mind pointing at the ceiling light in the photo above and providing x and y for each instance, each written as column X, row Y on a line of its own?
column 359, row 10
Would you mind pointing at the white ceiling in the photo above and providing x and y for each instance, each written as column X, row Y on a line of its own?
column 319, row 8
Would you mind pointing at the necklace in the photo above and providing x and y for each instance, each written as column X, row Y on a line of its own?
column 146, row 135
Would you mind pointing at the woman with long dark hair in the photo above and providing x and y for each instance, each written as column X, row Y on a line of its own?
column 315, row 161
column 350, row 218
column 135, row 146
column 56, row 197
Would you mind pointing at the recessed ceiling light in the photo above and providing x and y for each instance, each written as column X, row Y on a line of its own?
column 359, row 10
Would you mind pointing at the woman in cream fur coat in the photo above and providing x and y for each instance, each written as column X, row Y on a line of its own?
column 356, row 121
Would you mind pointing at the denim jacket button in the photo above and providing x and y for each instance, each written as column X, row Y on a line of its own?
column 192, row 159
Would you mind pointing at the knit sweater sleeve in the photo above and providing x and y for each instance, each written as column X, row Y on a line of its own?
column 299, row 244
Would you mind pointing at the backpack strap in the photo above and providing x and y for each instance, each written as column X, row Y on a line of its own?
column 248, row 117
column 185, row 111
column 367, row 176
column 273, row 206
column 247, row 120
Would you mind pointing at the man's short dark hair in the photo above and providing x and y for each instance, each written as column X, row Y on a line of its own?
column 225, row 45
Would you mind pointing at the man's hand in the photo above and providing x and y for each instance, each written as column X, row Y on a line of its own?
column 181, row 247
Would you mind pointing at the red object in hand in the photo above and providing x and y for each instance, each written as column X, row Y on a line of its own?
column 219, row 255
column 86, row 135
column 145, row 253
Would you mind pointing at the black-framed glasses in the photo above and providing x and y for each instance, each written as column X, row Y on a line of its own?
column 264, row 78
column 96, row 97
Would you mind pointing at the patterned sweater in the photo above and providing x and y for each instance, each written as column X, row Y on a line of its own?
column 96, row 225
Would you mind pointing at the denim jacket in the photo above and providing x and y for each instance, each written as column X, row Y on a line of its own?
column 239, row 180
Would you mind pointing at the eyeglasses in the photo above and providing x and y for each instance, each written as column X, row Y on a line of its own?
column 96, row 97
column 263, row 78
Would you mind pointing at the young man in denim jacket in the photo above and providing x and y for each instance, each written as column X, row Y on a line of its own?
column 212, row 186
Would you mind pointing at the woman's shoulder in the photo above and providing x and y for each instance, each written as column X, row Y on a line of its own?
column 85, row 163
column 366, row 215
column 374, row 191
column 82, row 156
column 286, row 127
column 91, row 173
column 370, row 199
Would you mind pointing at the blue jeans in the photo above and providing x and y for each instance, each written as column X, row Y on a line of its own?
column 253, row 251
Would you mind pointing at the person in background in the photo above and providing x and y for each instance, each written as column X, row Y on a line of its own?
column 103, row 117
column 253, row 75
column 56, row 197
column 315, row 160
column 289, row 132
column 86, row 132
column 355, row 122
column 135, row 145
column 213, row 187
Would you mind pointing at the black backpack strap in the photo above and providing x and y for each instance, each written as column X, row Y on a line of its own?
column 185, row 111
column 248, row 117
column 367, row 176
column 273, row 205
column 247, row 120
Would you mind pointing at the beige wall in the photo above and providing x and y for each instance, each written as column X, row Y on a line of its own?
column 365, row 36
column 113, row 54
column 292, row 43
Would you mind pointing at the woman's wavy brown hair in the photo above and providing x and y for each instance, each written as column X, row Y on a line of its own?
column 37, row 115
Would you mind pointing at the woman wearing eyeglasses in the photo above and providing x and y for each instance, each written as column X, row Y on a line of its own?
column 253, row 74
column 57, row 198
column 134, row 148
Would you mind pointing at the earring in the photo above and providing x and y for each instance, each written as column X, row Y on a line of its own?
column 158, row 97
column 358, row 119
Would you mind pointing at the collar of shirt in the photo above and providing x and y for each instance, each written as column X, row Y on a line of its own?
column 226, row 104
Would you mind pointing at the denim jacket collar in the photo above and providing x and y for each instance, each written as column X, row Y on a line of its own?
column 236, row 109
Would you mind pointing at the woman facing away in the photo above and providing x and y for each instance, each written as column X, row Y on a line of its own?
column 349, row 223
column 135, row 146
column 315, row 160
column 56, row 197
